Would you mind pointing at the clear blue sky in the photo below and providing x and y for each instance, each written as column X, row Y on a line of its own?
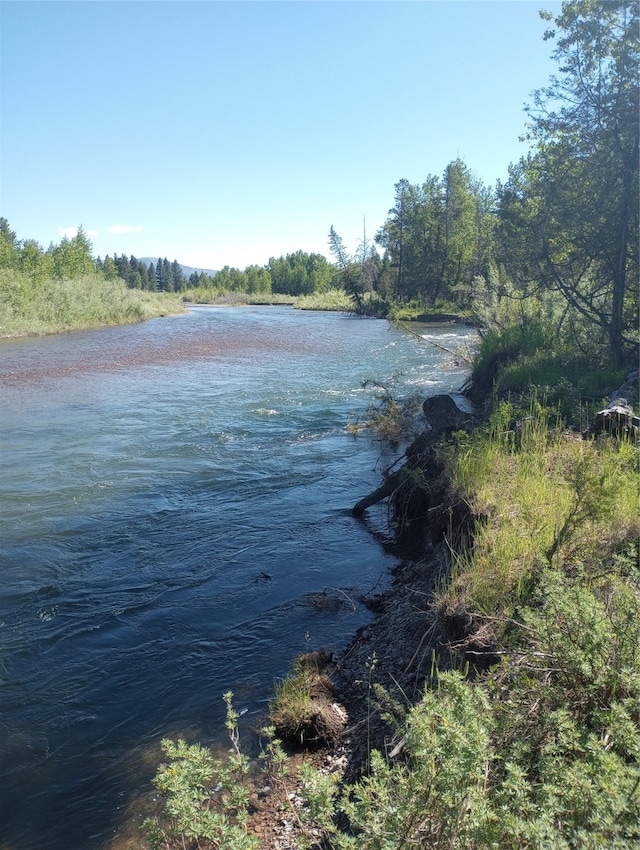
column 224, row 133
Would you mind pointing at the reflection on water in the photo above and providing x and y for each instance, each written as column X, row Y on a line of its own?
column 171, row 492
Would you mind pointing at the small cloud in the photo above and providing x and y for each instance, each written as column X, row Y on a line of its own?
column 71, row 232
column 126, row 228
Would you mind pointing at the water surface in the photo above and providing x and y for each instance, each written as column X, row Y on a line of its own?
column 172, row 493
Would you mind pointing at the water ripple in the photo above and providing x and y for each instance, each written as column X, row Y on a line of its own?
column 153, row 475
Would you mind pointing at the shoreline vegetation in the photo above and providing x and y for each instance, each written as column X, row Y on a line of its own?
column 494, row 698
column 90, row 301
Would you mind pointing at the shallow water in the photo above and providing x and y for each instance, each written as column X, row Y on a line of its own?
column 171, row 494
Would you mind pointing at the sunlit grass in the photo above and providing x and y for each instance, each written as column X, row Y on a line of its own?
column 334, row 299
column 224, row 297
column 55, row 306
column 543, row 497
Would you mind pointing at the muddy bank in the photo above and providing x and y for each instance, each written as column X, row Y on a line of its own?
column 393, row 657
column 397, row 651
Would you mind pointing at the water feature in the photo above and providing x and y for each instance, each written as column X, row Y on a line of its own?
column 171, row 494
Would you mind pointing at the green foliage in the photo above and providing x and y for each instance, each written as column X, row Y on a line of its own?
column 72, row 257
column 62, row 289
column 34, row 306
column 301, row 274
column 567, row 707
column 301, row 711
column 438, row 237
column 393, row 420
column 416, row 311
column 529, row 354
column 544, row 753
column 434, row 797
column 205, row 797
column 333, row 299
column 569, row 212
column 545, row 495
column 291, row 708
column 499, row 348
column 350, row 273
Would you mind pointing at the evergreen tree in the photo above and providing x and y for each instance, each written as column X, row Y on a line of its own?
column 72, row 257
column 110, row 269
column 350, row 272
column 179, row 280
column 152, row 278
column 569, row 211
column 8, row 245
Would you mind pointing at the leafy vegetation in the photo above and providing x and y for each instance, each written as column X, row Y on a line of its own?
column 61, row 289
column 205, row 797
column 541, row 750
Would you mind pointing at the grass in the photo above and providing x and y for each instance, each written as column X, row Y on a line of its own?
column 56, row 306
column 545, row 496
column 333, row 300
column 302, row 710
column 224, row 297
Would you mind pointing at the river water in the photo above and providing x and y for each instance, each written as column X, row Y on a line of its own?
column 172, row 496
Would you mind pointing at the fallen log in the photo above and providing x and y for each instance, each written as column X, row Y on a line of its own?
column 388, row 486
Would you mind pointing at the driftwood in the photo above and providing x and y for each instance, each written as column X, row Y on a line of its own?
column 440, row 317
column 442, row 414
column 388, row 486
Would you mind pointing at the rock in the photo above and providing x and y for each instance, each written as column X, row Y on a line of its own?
column 443, row 414
column 628, row 390
column 618, row 419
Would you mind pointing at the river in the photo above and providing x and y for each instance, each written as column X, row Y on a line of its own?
column 172, row 495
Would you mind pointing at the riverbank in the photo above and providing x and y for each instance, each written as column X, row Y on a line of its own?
column 528, row 592
column 85, row 303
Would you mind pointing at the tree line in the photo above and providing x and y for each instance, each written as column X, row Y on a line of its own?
column 163, row 276
column 298, row 273
column 562, row 231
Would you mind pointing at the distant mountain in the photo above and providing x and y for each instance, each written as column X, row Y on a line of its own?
column 186, row 270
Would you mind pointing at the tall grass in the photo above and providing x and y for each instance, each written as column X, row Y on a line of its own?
column 544, row 496
column 55, row 306
column 224, row 297
column 333, row 299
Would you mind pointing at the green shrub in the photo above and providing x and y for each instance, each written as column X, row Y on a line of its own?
column 333, row 299
column 205, row 798
column 33, row 306
column 434, row 797
column 498, row 348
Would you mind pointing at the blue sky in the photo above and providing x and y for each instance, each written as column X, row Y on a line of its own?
column 224, row 133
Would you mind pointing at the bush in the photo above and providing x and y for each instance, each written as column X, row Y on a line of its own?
column 206, row 798
column 434, row 797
